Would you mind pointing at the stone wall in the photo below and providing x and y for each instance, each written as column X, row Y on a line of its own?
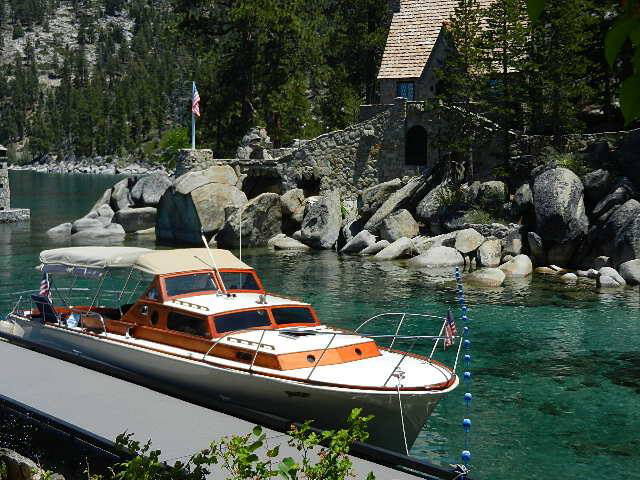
column 199, row 159
column 14, row 215
column 5, row 192
column 347, row 160
column 350, row 160
column 534, row 144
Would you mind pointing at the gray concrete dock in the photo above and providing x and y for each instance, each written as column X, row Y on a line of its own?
column 108, row 406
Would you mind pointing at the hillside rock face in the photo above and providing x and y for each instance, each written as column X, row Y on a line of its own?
column 561, row 220
column 196, row 201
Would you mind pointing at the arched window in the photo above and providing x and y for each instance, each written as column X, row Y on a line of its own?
column 416, row 146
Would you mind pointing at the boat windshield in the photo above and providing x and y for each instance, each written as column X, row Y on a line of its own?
column 239, row 281
column 193, row 283
column 288, row 315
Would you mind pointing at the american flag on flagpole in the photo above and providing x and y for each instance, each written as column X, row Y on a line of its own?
column 44, row 285
column 450, row 330
column 195, row 102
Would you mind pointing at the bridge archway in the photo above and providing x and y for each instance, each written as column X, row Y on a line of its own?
column 416, row 146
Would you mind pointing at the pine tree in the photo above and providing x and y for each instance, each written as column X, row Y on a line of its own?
column 462, row 88
column 505, row 37
column 558, row 67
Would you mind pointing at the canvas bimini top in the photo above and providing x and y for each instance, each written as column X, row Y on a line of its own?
column 154, row 262
column 100, row 258
column 162, row 262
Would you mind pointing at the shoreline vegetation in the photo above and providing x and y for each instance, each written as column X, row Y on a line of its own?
column 321, row 455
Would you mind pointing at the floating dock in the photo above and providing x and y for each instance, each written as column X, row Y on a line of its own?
column 95, row 403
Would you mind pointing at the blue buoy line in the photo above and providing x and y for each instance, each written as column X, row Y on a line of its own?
column 465, row 455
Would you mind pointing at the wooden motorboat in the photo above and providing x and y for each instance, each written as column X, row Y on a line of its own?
column 205, row 323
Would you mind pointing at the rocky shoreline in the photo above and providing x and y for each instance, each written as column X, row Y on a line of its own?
column 551, row 222
column 94, row 166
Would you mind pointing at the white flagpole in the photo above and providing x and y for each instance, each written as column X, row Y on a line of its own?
column 193, row 118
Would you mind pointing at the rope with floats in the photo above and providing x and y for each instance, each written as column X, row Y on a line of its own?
column 466, row 376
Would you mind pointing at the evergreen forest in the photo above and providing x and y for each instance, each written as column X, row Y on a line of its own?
column 121, row 81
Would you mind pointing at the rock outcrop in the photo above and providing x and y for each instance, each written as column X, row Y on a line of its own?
column 489, row 277
column 260, row 220
column 437, row 257
column 397, row 225
column 561, row 219
column 401, row 248
column 148, row 190
column 397, row 200
column 362, row 240
column 282, row 242
column 519, row 266
column 490, row 253
column 134, row 219
column 372, row 198
column 198, row 200
column 322, row 222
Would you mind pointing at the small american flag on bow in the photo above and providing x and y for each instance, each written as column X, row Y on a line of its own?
column 450, row 330
column 195, row 102
column 44, row 285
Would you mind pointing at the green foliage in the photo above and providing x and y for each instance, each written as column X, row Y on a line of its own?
column 450, row 198
column 3, row 471
column 574, row 162
column 625, row 31
column 171, row 142
column 301, row 68
column 324, row 456
column 478, row 215
column 333, row 463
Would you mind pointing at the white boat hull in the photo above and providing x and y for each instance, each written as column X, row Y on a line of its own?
column 328, row 406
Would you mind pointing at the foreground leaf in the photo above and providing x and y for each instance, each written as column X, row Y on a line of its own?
column 630, row 98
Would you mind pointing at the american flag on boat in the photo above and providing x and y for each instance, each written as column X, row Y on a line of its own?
column 44, row 285
column 195, row 102
column 450, row 330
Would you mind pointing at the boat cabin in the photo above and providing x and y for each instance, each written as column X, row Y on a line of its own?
column 200, row 299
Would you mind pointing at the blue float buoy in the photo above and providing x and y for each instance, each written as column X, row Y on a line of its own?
column 467, row 398
column 467, row 344
column 467, row 359
column 466, row 424
column 466, row 375
column 466, row 456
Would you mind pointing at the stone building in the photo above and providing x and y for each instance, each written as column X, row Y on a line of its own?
column 5, row 193
column 416, row 47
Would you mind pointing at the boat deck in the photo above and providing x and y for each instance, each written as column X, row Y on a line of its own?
column 106, row 406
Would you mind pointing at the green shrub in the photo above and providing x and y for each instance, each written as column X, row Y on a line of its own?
column 240, row 457
column 171, row 142
column 573, row 162
column 450, row 198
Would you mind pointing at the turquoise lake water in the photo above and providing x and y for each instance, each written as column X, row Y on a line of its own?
column 556, row 369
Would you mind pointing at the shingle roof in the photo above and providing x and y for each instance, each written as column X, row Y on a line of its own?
column 412, row 36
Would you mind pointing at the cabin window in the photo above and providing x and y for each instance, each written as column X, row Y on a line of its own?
column 155, row 316
column 241, row 321
column 153, row 294
column 144, row 309
column 406, row 90
column 284, row 316
column 185, row 284
column 239, row 281
column 188, row 324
